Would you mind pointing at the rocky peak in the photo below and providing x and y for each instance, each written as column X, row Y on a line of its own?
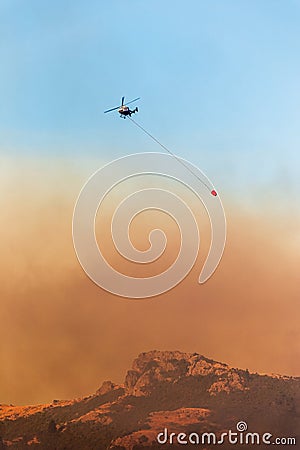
column 152, row 367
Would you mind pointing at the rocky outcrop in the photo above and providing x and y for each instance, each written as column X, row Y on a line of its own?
column 151, row 368
column 107, row 386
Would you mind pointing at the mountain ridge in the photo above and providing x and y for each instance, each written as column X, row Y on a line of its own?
column 182, row 390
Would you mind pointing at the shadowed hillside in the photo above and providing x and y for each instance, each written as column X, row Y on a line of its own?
column 181, row 392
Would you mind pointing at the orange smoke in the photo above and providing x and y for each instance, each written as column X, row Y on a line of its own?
column 61, row 335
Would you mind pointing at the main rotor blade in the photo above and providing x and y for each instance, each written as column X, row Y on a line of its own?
column 112, row 109
column 122, row 103
column 131, row 101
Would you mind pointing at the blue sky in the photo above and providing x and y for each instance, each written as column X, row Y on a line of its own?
column 219, row 81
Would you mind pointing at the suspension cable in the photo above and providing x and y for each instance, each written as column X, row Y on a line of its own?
column 213, row 192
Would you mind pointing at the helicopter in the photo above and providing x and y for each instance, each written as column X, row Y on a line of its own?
column 123, row 109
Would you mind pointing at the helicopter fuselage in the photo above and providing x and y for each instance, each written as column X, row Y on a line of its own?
column 125, row 111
